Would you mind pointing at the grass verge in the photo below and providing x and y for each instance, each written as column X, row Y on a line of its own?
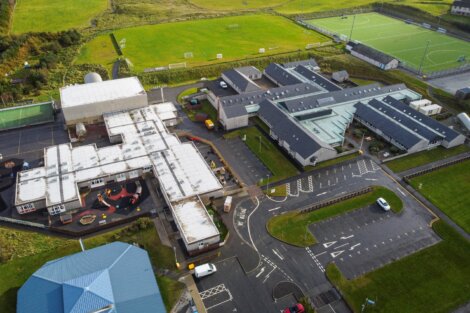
column 292, row 227
column 332, row 162
column 424, row 157
column 435, row 279
column 267, row 152
column 278, row 191
column 32, row 250
column 447, row 188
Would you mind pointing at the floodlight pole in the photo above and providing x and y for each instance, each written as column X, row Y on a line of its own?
column 424, row 55
column 352, row 27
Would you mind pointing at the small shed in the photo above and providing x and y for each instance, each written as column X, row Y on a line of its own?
column 340, row 76
column 463, row 93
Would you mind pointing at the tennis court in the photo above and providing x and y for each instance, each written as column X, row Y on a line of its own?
column 26, row 115
column 406, row 42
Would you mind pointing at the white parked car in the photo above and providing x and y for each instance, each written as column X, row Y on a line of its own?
column 204, row 270
column 223, row 84
column 383, row 204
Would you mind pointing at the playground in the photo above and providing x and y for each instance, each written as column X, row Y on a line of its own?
column 415, row 46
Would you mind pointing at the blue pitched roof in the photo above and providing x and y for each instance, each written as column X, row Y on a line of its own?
column 118, row 276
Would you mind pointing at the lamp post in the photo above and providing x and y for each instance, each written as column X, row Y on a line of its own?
column 267, row 185
column 424, row 55
column 352, row 27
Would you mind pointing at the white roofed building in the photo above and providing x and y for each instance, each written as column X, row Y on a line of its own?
column 142, row 145
column 87, row 102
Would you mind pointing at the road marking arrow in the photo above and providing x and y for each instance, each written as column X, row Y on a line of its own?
column 329, row 244
column 260, row 272
column 278, row 254
column 336, row 253
column 344, row 238
column 356, row 245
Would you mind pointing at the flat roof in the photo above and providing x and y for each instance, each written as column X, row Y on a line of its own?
column 180, row 168
column 193, row 220
column 77, row 95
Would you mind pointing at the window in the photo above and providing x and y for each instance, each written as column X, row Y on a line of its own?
column 97, row 182
column 26, row 208
column 56, row 209
column 133, row 174
column 121, row 177
column 147, row 169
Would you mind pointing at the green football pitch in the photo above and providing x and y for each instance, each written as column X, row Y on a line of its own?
column 236, row 38
column 54, row 15
column 403, row 41
column 27, row 115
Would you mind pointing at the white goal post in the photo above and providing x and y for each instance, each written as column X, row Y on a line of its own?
column 177, row 65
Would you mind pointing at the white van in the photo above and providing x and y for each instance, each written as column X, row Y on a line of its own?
column 204, row 270
column 223, row 84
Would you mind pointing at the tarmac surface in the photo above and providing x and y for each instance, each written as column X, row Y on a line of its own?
column 358, row 242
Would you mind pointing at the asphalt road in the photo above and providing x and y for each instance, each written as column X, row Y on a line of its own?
column 353, row 241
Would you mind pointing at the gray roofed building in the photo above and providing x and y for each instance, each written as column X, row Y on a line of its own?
column 239, row 82
column 372, row 56
column 310, row 63
column 280, row 76
column 447, row 133
column 390, row 130
column 340, row 96
column 236, row 110
column 461, row 7
column 340, row 76
column 316, row 78
column 463, row 93
column 277, row 93
column 412, row 122
column 304, row 146
column 250, row 71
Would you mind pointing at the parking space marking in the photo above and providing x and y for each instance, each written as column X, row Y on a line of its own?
column 215, row 291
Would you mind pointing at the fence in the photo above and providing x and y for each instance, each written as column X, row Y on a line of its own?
column 316, row 206
column 428, row 170
column 21, row 222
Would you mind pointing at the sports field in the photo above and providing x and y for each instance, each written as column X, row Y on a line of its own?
column 234, row 37
column 26, row 115
column 403, row 41
column 54, row 15
column 448, row 188
column 305, row 6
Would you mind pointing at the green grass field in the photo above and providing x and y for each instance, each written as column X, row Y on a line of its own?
column 448, row 188
column 235, row 37
column 435, row 279
column 403, row 41
column 306, row 6
column 28, row 115
column 292, row 227
column 424, row 157
column 54, row 15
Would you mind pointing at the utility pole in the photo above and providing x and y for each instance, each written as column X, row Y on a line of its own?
column 352, row 27
column 424, row 55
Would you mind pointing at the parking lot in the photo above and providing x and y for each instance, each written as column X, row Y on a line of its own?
column 244, row 162
column 363, row 240
column 231, row 290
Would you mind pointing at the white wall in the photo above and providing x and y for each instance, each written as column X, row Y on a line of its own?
column 94, row 111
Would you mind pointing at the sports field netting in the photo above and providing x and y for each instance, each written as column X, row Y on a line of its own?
column 26, row 115
column 406, row 42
